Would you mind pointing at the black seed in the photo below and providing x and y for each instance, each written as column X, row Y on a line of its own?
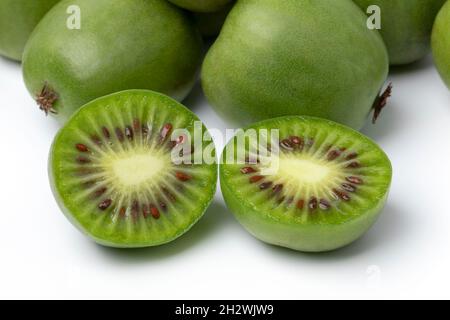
column 354, row 180
column 129, row 133
column 312, row 204
column 247, row 170
column 277, row 188
column 265, row 185
column 256, row 179
column 165, row 132
column 341, row 195
column 105, row 204
column 106, row 133
column 297, row 141
column 286, row 144
column 81, row 147
column 324, row 204
column 119, row 135
column 351, row 156
column 354, row 165
column 348, row 187
column 333, row 155
column 155, row 212
column 300, row 204
column 182, row 176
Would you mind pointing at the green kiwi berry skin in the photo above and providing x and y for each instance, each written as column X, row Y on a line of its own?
column 405, row 27
column 161, row 51
column 317, row 238
column 295, row 57
column 201, row 5
column 18, row 18
column 441, row 43
column 77, row 215
column 285, row 231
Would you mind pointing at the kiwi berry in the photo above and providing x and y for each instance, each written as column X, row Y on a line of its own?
column 328, row 187
column 295, row 57
column 441, row 43
column 120, row 45
column 114, row 175
column 405, row 27
column 18, row 18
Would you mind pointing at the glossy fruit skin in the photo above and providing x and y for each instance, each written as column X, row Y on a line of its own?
column 305, row 237
column 276, row 58
column 201, row 5
column 441, row 43
column 161, row 51
column 66, row 201
column 18, row 18
column 406, row 27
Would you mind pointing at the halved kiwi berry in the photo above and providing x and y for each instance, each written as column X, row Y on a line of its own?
column 330, row 186
column 113, row 173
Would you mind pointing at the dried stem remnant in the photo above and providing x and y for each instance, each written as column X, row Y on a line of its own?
column 381, row 102
column 46, row 100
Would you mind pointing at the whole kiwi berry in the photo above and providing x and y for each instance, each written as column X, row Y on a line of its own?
column 314, row 186
column 295, row 57
column 123, row 169
column 119, row 45
column 405, row 27
column 18, row 18
column 441, row 43
column 201, row 5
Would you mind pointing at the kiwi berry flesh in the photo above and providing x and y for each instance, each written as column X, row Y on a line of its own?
column 330, row 186
column 120, row 45
column 201, row 5
column 295, row 57
column 18, row 18
column 441, row 43
column 406, row 27
column 113, row 173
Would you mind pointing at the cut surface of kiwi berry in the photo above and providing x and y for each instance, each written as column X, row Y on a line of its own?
column 122, row 170
column 315, row 187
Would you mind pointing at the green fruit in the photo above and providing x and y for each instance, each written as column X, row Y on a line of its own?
column 114, row 174
column 18, row 18
column 405, row 27
column 210, row 23
column 133, row 44
column 441, row 43
column 201, row 5
column 323, row 190
column 295, row 57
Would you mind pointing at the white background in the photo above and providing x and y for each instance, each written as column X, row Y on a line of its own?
column 405, row 255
